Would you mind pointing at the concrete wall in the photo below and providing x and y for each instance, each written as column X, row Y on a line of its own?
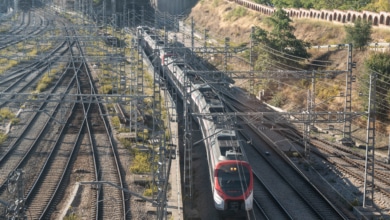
column 174, row 7
column 381, row 19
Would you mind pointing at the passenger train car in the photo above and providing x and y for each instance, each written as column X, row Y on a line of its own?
column 230, row 174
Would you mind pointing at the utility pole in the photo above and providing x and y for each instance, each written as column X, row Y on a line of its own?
column 253, row 43
column 347, row 133
column 388, row 152
column 368, row 197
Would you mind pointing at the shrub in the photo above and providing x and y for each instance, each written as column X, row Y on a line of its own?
column 116, row 122
column 141, row 163
column 150, row 190
column 3, row 138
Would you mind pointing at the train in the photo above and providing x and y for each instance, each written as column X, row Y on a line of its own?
column 231, row 175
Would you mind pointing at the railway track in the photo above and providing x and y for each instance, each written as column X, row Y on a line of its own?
column 350, row 162
column 50, row 184
column 286, row 181
column 31, row 150
column 111, row 202
column 278, row 185
column 339, row 158
column 47, row 144
column 277, row 176
column 29, row 30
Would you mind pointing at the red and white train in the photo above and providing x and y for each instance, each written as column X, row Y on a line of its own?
column 231, row 175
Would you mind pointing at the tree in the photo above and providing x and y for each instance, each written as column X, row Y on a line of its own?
column 280, row 40
column 359, row 34
column 378, row 5
column 380, row 64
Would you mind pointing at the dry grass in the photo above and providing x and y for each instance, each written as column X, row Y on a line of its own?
column 220, row 17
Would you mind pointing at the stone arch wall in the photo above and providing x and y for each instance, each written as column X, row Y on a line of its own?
column 381, row 19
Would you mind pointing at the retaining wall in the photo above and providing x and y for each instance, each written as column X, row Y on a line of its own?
column 381, row 19
column 173, row 7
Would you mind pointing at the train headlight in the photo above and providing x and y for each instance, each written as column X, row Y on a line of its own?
column 218, row 201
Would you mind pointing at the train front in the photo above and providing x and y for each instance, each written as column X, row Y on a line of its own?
column 233, row 182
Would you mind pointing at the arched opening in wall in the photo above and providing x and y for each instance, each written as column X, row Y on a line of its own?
column 375, row 21
column 387, row 23
column 343, row 20
column 364, row 16
column 328, row 17
column 381, row 19
column 322, row 15
column 349, row 17
column 338, row 18
column 335, row 16
column 369, row 19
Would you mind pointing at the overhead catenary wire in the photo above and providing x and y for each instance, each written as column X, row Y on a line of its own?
column 287, row 56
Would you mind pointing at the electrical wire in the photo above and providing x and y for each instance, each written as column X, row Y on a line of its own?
column 286, row 55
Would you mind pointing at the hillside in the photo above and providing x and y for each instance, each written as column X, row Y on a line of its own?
column 226, row 19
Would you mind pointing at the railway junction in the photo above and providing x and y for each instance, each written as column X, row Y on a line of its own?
column 62, row 156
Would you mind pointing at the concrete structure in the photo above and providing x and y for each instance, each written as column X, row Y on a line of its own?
column 381, row 19
column 5, row 5
column 173, row 7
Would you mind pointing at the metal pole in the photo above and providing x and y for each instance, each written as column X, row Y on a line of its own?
column 368, row 197
column 192, row 35
column 388, row 152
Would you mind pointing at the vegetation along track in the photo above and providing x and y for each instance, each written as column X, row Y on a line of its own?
column 34, row 149
column 111, row 202
column 26, row 128
column 32, row 30
column 31, row 150
column 49, row 186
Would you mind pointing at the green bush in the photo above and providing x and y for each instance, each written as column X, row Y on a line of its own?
column 150, row 190
column 236, row 13
column 71, row 217
column 116, row 122
column 3, row 138
column 141, row 163
column 278, row 100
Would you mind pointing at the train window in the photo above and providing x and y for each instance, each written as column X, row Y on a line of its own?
column 233, row 179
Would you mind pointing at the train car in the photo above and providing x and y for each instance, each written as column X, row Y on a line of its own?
column 231, row 175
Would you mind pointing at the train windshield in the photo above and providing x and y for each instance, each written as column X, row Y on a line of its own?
column 234, row 179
